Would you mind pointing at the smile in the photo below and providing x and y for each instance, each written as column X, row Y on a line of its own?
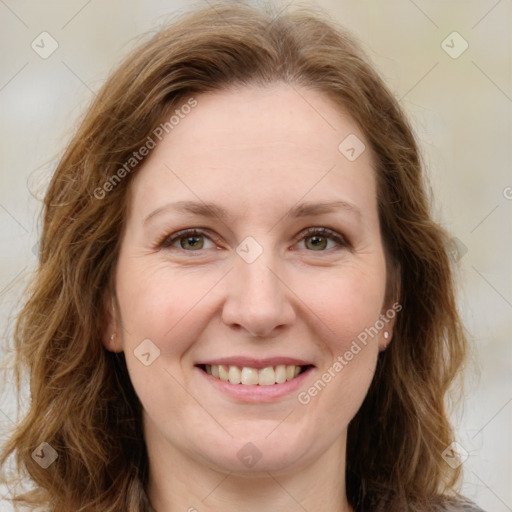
column 249, row 376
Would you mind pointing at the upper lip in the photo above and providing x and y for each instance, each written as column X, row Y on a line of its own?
column 251, row 362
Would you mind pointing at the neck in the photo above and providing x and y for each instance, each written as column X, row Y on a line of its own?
column 179, row 482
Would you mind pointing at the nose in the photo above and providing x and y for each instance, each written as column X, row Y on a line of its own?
column 258, row 301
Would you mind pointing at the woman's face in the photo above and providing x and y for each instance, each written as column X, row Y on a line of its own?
column 283, row 268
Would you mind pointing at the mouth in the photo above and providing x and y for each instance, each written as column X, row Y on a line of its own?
column 251, row 376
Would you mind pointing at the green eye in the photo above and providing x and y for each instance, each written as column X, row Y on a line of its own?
column 321, row 239
column 317, row 239
column 316, row 242
column 190, row 240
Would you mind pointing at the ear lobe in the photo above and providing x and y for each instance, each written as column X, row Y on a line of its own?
column 389, row 317
column 112, row 343
column 110, row 333
column 384, row 339
column 392, row 305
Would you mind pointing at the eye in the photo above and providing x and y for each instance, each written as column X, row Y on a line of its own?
column 188, row 240
column 320, row 239
column 317, row 239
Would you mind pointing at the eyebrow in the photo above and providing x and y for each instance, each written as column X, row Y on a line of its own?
column 211, row 210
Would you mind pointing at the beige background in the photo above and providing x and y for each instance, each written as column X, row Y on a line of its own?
column 461, row 108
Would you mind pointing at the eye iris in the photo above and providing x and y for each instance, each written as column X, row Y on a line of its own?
column 316, row 242
column 192, row 242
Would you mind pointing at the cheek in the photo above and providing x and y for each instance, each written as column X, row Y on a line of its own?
column 162, row 305
column 346, row 306
column 171, row 310
column 345, row 303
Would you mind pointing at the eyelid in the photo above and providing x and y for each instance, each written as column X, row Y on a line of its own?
column 167, row 241
column 325, row 232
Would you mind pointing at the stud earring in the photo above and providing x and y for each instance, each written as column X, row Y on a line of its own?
column 386, row 335
column 112, row 337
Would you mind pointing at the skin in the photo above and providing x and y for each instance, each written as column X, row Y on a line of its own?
column 256, row 152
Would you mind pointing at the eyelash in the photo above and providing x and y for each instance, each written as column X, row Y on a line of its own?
column 167, row 241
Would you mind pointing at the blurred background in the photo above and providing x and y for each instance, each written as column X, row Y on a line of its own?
column 449, row 63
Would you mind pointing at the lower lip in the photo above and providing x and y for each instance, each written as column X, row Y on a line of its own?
column 256, row 393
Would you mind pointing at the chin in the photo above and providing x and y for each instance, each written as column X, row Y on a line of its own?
column 276, row 452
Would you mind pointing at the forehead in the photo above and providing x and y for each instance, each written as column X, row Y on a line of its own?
column 258, row 144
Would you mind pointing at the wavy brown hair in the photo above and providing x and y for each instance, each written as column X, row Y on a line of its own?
column 82, row 400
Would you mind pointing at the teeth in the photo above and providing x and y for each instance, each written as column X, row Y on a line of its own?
column 223, row 373
column 280, row 373
column 251, row 376
column 235, row 375
column 267, row 376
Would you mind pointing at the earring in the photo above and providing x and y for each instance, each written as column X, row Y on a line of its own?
column 112, row 337
column 386, row 335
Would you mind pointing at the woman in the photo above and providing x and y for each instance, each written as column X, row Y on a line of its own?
column 242, row 300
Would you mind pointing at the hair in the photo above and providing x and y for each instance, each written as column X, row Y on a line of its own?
column 82, row 401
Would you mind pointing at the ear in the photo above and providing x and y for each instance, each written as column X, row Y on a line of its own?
column 388, row 318
column 392, row 307
column 111, row 332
